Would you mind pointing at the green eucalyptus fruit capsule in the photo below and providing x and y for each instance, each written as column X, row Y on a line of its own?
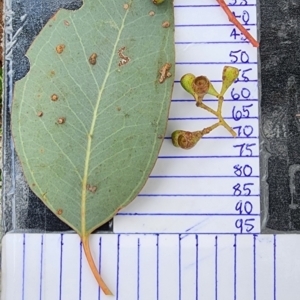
column 186, row 139
column 212, row 91
column 230, row 74
column 187, row 83
column 157, row 2
column 198, row 86
column 201, row 85
column 175, row 136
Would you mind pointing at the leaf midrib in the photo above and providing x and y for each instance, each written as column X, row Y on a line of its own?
column 91, row 132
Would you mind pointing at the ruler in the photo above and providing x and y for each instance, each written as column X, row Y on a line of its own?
column 152, row 267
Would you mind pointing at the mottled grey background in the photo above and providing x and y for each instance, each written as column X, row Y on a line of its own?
column 280, row 126
column 280, row 103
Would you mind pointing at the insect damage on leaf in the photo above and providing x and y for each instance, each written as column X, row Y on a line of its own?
column 59, row 211
column 164, row 72
column 166, row 24
column 93, row 59
column 91, row 188
column 54, row 97
column 123, row 58
column 61, row 120
column 60, row 48
column 90, row 168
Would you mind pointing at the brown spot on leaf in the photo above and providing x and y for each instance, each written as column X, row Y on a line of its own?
column 33, row 185
column 93, row 59
column 123, row 58
column 61, row 120
column 44, row 198
column 91, row 188
column 166, row 24
column 67, row 23
column 54, row 97
column 160, row 136
column 126, row 6
column 151, row 13
column 60, row 48
column 40, row 114
column 118, row 108
column 52, row 73
column 59, row 211
column 164, row 72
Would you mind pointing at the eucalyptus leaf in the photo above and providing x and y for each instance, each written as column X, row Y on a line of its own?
column 89, row 118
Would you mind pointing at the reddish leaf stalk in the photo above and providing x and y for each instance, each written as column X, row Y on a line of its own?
column 89, row 257
column 235, row 21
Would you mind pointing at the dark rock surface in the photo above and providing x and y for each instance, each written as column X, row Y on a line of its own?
column 280, row 104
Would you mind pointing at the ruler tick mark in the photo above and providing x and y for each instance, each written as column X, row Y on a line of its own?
column 157, row 267
column 138, row 269
column 234, row 267
column 80, row 270
column 41, row 266
column 274, row 249
column 61, row 265
column 197, row 266
column 118, row 265
column 179, row 264
column 216, row 267
column 99, row 264
column 23, row 267
column 254, row 266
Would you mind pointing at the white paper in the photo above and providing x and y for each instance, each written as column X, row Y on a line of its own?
column 152, row 267
column 193, row 190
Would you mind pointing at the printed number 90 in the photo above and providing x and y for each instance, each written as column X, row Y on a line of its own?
column 242, row 207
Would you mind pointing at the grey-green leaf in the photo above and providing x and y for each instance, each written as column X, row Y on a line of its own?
column 88, row 119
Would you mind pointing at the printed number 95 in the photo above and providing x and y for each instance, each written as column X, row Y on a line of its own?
column 244, row 226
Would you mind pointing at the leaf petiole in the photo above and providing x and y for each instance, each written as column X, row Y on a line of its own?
column 90, row 260
column 236, row 22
